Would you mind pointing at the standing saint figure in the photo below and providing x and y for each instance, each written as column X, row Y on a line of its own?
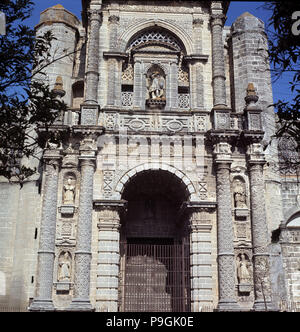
column 243, row 270
column 64, row 268
column 69, row 192
column 157, row 86
column 239, row 195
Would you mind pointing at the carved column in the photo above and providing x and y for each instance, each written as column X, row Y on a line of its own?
column 260, row 240
column 107, row 297
column 218, row 64
column 226, row 259
column 46, row 253
column 92, row 72
column 87, row 158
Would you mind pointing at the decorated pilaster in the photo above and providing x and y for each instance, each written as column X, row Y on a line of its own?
column 138, row 98
column 90, row 108
column 226, row 258
column 200, row 226
column 108, row 255
column 92, row 73
column 87, row 158
column 218, row 63
column 46, row 253
column 256, row 160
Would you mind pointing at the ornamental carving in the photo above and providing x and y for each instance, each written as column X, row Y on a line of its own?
column 239, row 193
column 243, row 266
column 155, row 37
column 156, row 87
column 64, row 267
column 69, row 190
column 108, row 177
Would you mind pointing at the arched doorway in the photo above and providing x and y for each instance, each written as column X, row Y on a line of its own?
column 155, row 267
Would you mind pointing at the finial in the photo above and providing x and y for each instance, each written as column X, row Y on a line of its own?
column 251, row 97
column 59, row 87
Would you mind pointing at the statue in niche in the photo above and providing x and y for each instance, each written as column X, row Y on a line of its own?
column 156, row 86
column 243, row 272
column 69, row 192
column 239, row 195
column 64, row 273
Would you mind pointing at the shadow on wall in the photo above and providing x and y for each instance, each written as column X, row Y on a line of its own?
column 2, row 284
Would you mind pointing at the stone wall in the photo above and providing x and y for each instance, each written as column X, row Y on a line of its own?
column 19, row 224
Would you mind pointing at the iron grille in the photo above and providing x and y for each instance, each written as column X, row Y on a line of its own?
column 154, row 278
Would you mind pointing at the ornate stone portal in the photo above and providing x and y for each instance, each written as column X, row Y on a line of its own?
column 156, row 119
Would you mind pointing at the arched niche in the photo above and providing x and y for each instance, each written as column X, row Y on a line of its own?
column 69, row 188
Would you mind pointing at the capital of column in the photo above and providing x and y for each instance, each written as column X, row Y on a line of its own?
column 217, row 19
column 109, row 213
column 95, row 14
column 255, row 155
column 52, row 157
column 114, row 19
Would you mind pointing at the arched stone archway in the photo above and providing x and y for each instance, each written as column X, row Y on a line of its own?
column 126, row 178
column 154, row 248
column 125, row 38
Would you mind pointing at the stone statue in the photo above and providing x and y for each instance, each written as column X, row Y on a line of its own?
column 69, row 192
column 243, row 270
column 239, row 195
column 157, row 86
column 64, row 273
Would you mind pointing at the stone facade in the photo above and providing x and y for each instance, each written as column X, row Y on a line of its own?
column 169, row 120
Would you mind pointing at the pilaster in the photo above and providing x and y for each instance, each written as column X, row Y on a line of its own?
column 87, row 158
column 92, row 72
column 200, row 226
column 108, row 270
column 46, row 254
column 225, row 233
column 218, row 63
column 260, row 240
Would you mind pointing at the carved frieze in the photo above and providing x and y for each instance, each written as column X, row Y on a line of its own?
column 154, row 122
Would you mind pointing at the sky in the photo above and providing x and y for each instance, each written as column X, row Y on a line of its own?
column 281, row 89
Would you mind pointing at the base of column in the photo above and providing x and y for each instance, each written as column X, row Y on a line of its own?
column 228, row 306
column 81, row 305
column 261, row 305
column 41, row 305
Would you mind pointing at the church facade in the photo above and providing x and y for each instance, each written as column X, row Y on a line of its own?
column 164, row 194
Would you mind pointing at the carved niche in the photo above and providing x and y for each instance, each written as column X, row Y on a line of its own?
column 244, row 272
column 240, row 197
column 68, row 194
column 156, row 87
column 64, row 272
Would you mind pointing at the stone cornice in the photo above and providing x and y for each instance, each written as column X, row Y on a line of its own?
column 196, row 58
column 118, row 205
column 115, row 55
column 88, row 130
column 219, row 135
